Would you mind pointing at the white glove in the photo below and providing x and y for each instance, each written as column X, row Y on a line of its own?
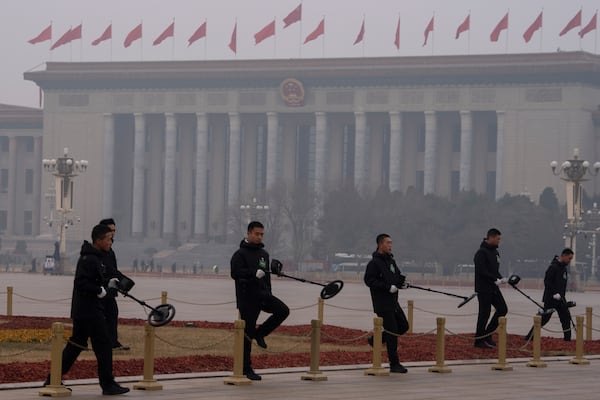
column 102, row 293
column 498, row 282
column 556, row 296
column 260, row 273
column 113, row 283
column 393, row 289
column 504, row 280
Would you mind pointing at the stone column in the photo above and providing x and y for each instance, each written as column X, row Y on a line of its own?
column 108, row 169
column 200, row 217
column 233, row 193
column 466, row 150
column 500, row 154
column 37, row 185
column 360, row 151
column 395, row 173
column 139, row 149
column 320, row 151
column 12, row 185
column 272, row 133
column 430, row 158
column 169, row 179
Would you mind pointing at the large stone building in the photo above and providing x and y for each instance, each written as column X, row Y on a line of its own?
column 20, row 170
column 174, row 147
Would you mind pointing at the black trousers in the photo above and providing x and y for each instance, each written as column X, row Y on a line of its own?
column 96, row 330
column 111, row 313
column 486, row 301
column 563, row 314
column 249, row 312
column 394, row 320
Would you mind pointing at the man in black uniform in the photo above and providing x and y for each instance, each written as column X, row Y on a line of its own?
column 555, row 286
column 487, row 282
column 250, row 270
column 87, row 312
column 111, row 310
column 383, row 278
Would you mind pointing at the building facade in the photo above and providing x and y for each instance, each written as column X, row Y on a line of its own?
column 175, row 148
column 20, row 170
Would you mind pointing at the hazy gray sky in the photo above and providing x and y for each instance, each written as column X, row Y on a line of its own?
column 21, row 20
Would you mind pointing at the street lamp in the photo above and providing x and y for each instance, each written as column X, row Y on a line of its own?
column 64, row 170
column 574, row 171
column 253, row 209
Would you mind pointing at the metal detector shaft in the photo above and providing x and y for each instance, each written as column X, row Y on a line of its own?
column 437, row 291
column 526, row 295
column 140, row 302
column 300, row 279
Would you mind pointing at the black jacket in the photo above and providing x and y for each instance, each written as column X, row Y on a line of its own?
column 555, row 280
column 487, row 268
column 109, row 261
column 89, row 278
column 244, row 264
column 382, row 272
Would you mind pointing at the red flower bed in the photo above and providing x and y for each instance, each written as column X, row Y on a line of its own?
column 411, row 348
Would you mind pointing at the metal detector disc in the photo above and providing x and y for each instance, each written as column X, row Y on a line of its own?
column 514, row 280
column 161, row 315
column 331, row 289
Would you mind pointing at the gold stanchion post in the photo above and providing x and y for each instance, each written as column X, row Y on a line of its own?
column 56, row 388
column 320, row 305
column 315, row 342
column 579, row 358
column 148, row 382
column 588, row 323
column 163, row 297
column 238, row 377
column 537, row 344
column 9, row 297
column 502, row 365
column 376, row 369
column 440, row 347
column 410, row 312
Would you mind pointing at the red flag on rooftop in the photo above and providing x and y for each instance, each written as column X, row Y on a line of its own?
column 68, row 37
column 463, row 27
column 573, row 23
column 428, row 30
column 107, row 34
column 319, row 30
column 44, row 35
column 534, row 27
column 361, row 33
column 591, row 26
column 294, row 16
column 502, row 25
column 199, row 34
column 167, row 33
column 397, row 38
column 233, row 41
column 264, row 33
column 135, row 34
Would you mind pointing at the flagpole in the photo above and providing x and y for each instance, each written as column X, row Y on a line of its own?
column 507, row 27
column 81, row 43
column 205, row 37
column 542, row 32
column 323, row 39
column 469, row 36
column 363, row 39
column 111, row 42
column 142, row 41
column 275, row 37
column 300, row 34
column 433, row 34
column 173, row 42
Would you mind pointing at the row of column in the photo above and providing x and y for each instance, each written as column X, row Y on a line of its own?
column 234, row 160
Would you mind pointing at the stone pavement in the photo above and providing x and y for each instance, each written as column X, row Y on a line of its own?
column 559, row 380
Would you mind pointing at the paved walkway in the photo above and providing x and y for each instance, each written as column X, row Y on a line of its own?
column 559, row 380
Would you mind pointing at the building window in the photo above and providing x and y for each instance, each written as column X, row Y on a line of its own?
column 454, row 183
column 3, row 220
column 28, row 181
column 28, row 144
column 492, row 137
column 420, row 182
column 4, row 180
column 421, row 139
column 28, row 222
column 4, row 144
column 456, row 139
column 490, row 184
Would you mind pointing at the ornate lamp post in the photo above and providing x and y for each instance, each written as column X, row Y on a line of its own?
column 64, row 170
column 253, row 210
column 574, row 171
